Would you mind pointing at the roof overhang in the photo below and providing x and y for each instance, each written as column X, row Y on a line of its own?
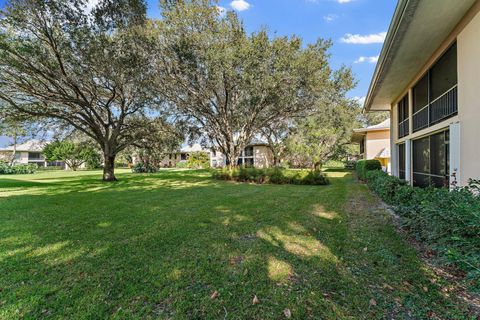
column 357, row 137
column 417, row 30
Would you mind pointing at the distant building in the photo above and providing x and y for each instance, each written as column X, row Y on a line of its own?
column 30, row 152
column 256, row 154
column 171, row 159
column 374, row 143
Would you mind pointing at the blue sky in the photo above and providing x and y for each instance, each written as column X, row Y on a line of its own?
column 356, row 27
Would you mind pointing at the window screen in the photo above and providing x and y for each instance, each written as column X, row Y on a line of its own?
column 431, row 160
column 420, row 94
column 443, row 75
column 421, row 155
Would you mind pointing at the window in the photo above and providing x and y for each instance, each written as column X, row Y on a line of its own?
column 435, row 95
column 401, row 161
column 362, row 146
column 403, row 115
column 183, row 156
column 431, row 160
column 246, row 158
column 34, row 156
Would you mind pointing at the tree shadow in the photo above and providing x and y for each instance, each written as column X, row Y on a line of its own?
column 159, row 245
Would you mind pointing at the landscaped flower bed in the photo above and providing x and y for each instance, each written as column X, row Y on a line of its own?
column 446, row 221
column 272, row 176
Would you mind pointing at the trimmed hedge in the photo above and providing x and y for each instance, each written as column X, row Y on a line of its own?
column 6, row 168
column 144, row 168
column 364, row 166
column 446, row 221
column 272, row 176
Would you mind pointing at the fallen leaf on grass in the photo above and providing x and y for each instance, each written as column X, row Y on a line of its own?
column 255, row 300
column 373, row 302
column 365, row 249
column 425, row 289
column 214, row 295
column 287, row 313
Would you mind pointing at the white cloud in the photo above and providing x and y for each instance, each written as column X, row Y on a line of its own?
column 360, row 100
column 330, row 17
column 361, row 59
column 364, row 39
column 240, row 5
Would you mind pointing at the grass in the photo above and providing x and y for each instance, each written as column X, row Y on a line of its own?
column 159, row 245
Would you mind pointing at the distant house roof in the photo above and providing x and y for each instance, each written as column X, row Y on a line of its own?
column 193, row 148
column 358, row 134
column 377, row 127
column 29, row 146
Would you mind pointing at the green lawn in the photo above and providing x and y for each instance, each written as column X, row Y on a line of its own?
column 159, row 245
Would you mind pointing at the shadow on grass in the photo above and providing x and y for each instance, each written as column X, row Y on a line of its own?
column 159, row 245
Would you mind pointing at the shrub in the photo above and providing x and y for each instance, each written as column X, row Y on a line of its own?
column 198, row 160
column 6, row 168
column 446, row 221
column 272, row 176
column 363, row 166
column 144, row 168
column 181, row 165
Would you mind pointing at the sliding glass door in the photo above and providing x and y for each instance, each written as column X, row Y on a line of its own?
column 431, row 160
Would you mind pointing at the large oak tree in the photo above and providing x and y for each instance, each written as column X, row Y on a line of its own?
column 86, row 67
column 231, row 84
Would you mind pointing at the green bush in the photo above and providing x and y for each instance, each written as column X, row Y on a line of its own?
column 446, row 221
column 272, row 176
column 364, row 166
column 144, row 168
column 181, row 165
column 198, row 160
column 6, row 168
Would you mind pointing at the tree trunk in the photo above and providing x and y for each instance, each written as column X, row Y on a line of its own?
column 109, row 168
column 317, row 166
column 12, row 160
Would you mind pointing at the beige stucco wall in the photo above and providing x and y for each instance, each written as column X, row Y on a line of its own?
column 263, row 157
column 167, row 162
column 21, row 157
column 468, row 42
column 375, row 142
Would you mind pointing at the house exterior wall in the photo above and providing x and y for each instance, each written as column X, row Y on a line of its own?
column 262, row 155
column 21, row 157
column 464, row 144
column 468, row 44
column 376, row 141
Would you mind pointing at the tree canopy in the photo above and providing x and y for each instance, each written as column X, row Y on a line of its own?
column 231, row 84
column 87, row 67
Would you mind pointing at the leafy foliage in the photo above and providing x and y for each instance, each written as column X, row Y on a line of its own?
column 144, row 168
column 273, row 176
column 86, row 67
column 73, row 154
column 231, row 84
column 364, row 166
column 7, row 168
column 446, row 221
column 321, row 137
column 198, row 160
